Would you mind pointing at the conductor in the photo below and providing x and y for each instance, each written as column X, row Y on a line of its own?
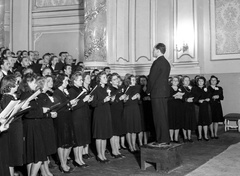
column 159, row 91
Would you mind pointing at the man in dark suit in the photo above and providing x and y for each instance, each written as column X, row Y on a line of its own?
column 159, row 91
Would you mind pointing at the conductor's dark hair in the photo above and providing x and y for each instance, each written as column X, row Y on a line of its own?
column 161, row 47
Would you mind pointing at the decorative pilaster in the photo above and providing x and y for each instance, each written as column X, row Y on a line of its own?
column 95, row 53
column 2, row 12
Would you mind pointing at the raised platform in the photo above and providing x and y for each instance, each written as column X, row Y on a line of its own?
column 166, row 158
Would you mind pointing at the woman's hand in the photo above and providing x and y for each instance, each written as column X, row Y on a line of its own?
column 201, row 101
column 91, row 98
column 113, row 98
column 53, row 114
column 207, row 99
column 122, row 97
column 215, row 97
column 3, row 126
column 45, row 110
column 108, row 98
column 86, row 98
column 73, row 102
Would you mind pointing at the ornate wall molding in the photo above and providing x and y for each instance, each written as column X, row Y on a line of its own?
column 185, row 32
column 225, row 25
column 142, row 57
column 121, row 58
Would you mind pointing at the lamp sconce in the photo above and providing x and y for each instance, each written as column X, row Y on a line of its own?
column 183, row 49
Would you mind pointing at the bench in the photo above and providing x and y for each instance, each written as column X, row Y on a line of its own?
column 232, row 117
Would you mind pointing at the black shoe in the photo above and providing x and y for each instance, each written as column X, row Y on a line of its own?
column 216, row 137
column 185, row 140
column 85, row 165
column 106, row 161
column 64, row 171
column 116, row 156
column 124, row 148
column 206, row 139
column 199, row 139
column 212, row 137
column 100, row 160
column 190, row 140
column 77, row 164
column 177, row 141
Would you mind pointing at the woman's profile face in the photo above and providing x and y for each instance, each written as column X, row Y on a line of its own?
column 49, row 82
column 133, row 81
column 65, row 82
column 32, row 85
column 103, row 79
column 87, row 79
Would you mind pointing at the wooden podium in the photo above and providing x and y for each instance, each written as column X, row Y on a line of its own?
column 166, row 158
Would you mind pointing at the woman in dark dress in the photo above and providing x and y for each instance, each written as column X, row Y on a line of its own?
column 116, row 105
column 87, row 88
column 147, row 110
column 131, row 112
column 175, row 109
column 204, row 118
column 215, row 104
column 46, row 99
column 102, row 120
column 4, row 167
column 80, row 117
column 189, row 97
column 9, row 86
column 34, row 149
column 63, row 123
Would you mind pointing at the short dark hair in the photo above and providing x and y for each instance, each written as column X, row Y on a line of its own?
column 161, row 47
column 99, row 75
column 7, row 83
column 2, row 60
column 4, row 52
column 213, row 76
column 105, row 68
column 58, row 80
column 29, row 77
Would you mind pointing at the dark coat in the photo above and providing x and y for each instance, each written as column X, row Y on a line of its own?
column 158, row 78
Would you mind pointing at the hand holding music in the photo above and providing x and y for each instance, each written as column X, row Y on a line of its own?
column 108, row 98
column 45, row 110
column 136, row 96
column 91, row 98
column 3, row 126
column 122, row 97
column 53, row 114
column 86, row 98
column 113, row 98
column 215, row 97
column 73, row 102
column 207, row 99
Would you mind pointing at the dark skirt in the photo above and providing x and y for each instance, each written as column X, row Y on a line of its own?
column 117, row 119
column 64, row 129
column 81, row 127
column 204, row 117
column 102, row 122
column 189, row 122
column 132, row 117
column 175, row 114
column 15, row 132
column 49, row 136
column 217, row 113
column 4, row 167
column 34, row 148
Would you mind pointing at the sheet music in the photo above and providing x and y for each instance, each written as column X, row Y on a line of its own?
column 9, row 108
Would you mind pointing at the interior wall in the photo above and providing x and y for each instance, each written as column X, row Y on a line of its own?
column 49, row 26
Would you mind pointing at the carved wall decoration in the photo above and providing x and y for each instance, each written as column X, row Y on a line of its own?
column 51, row 3
column 95, row 30
column 225, row 25
column 121, row 58
column 2, row 13
column 142, row 57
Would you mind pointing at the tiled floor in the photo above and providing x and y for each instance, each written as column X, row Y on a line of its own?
column 193, row 155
